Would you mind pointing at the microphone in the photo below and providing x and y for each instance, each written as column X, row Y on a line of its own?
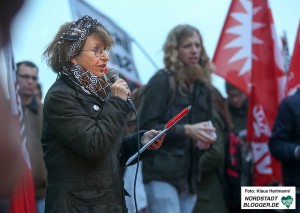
column 113, row 75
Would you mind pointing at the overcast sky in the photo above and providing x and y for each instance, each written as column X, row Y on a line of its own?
column 148, row 22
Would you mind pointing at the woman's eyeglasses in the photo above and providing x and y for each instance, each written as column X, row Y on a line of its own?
column 98, row 52
column 27, row 77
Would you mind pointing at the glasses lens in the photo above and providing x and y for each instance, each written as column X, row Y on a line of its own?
column 27, row 77
column 107, row 51
column 100, row 51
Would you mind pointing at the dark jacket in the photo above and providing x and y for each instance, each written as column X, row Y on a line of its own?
column 286, row 137
column 84, row 151
column 239, row 118
column 210, row 192
column 175, row 161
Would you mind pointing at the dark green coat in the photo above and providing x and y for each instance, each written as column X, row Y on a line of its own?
column 84, row 150
column 175, row 161
column 239, row 117
column 210, row 194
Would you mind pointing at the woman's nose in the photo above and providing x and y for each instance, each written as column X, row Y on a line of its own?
column 195, row 48
column 104, row 56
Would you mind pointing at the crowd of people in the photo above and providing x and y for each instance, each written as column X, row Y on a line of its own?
column 77, row 146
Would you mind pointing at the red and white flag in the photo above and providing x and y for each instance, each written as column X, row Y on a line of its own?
column 293, row 80
column 248, row 57
column 23, row 198
column 233, row 55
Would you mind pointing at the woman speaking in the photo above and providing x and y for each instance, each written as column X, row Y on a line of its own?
column 84, row 118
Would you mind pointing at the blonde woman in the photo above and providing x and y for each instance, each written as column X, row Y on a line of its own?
column 170, row 173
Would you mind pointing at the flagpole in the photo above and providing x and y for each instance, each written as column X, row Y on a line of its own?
column 285, row 52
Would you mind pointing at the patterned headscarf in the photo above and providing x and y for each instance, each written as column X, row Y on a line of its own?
column 78, row 32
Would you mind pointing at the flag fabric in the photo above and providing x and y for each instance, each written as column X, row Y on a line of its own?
column 248, row 56
column 233, row 54
column 267, row 91
column 293, row 80
column 121, row 57
column 23, row 198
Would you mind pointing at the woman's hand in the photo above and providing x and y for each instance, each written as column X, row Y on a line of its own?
column 120, row 89
column 202, row 131
column 151, row 134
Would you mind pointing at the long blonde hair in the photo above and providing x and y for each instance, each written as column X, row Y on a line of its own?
column 172, row 62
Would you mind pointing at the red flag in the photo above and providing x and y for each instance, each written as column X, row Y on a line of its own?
column 248, row 56
column 267, row 91
column 293, row 81
column 23, row 198
column 233, row 54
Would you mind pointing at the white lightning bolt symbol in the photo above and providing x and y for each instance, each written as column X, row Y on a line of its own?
column 244, row 32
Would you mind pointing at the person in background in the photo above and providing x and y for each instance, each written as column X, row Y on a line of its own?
column 238, row 167
column 237, row 103
column 84, row 120
column 38, row 92
column 211, row 163
column 27, row 76
column 284, row 142
column 170, row 173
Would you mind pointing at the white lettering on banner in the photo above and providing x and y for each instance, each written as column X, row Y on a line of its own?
column 261, row 151
column 261, row 154
column 122, row 41
column 260, row 125
column 122, row 61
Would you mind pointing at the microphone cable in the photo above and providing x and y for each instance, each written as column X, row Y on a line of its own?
column 133, row 109
column 138, row 160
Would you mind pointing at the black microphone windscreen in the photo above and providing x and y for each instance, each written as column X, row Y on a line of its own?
column 112, row 75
